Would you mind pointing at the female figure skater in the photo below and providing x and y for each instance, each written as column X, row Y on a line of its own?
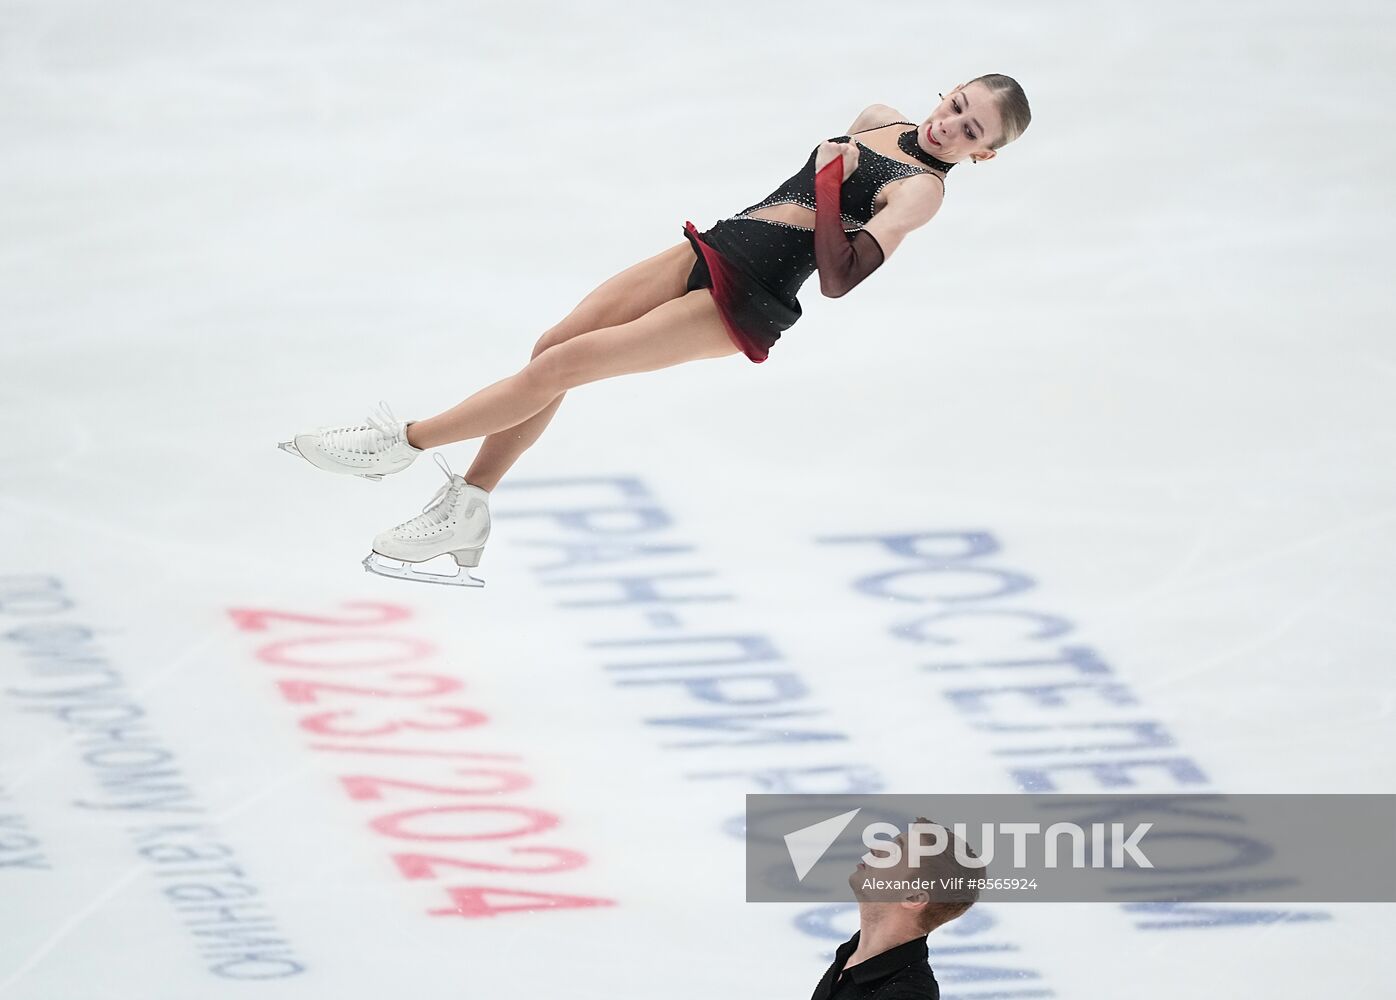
column 729, row 289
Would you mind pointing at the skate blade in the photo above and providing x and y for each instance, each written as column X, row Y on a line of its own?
column 375, row 563
column 290, row 448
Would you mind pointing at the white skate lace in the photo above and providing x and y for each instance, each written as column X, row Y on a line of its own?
column 381, row 432
column 439, row 507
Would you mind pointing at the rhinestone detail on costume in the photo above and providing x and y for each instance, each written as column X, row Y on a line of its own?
column 874, row 172
column 756, row 271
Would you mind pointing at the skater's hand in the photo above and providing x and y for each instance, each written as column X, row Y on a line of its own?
column 829, row 150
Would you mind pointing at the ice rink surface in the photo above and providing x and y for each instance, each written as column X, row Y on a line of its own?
column 1135, row 379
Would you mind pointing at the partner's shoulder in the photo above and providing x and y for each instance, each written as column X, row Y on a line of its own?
column 875, row 116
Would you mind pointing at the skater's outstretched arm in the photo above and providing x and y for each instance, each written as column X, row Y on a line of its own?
column 911, row 204
column 844, row 260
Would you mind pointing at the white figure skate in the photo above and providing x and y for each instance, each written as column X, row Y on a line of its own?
column 456, row 522
column 371, row 450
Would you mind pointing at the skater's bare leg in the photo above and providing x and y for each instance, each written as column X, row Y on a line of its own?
column 626, row 296
column 502, row 449
column 687, row 328
column 620, row 299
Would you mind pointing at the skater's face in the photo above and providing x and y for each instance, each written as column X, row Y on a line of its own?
column 922, row 896
column 901, row 871
column 962, row 125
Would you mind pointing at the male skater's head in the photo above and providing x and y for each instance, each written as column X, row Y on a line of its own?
column 944, row 887
column 897, row 907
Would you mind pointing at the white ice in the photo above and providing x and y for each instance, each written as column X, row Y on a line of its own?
column 1147, row 350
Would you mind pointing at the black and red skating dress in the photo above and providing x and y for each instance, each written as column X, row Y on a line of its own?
column 755, row 267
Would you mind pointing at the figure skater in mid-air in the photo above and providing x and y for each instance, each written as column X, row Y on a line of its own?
column 731, row 288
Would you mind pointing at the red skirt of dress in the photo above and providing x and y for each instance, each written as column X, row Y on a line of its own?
column 754, row 315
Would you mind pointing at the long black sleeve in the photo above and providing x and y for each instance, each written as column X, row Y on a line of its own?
column 843, row 261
